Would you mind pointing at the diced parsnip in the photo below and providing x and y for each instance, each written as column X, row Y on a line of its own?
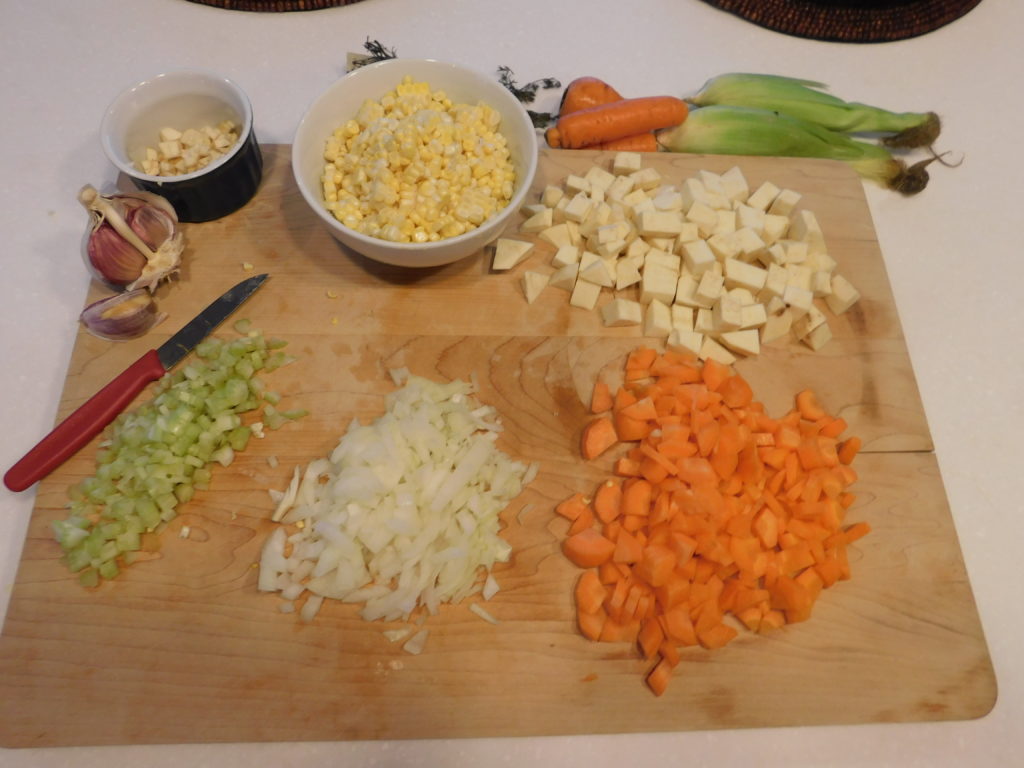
column 739, row 274
column 698, row 257
column 763, row 196
column 508, row 253
column 626, row 162
column 557, row 235
column 627, row 273
column 566, row 254
column 799, row 300
column 777, row 327
column 565, row 277
column 709, row 289
column 843, row 295
column 597, row 270
column 657, row 282
column 682, row 317
column 684, row 340
column 712, row 350
column 599, row 178
column 734, row 185
column 726, row 314
column 551, row 195
column 537, row 222
column 585, row 295
column 618, row 312
column 533, row 284
column 753, row 316
column 784, row 203
column 575, row 184
column 704, row 216
column 657, row 319
column 579, row 207
column 819, row 337
column 742, row 342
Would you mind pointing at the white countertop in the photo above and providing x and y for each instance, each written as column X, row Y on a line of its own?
column 953, row 254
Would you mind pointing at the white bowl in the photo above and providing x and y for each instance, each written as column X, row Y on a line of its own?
column 340, row 102
column 190, row 98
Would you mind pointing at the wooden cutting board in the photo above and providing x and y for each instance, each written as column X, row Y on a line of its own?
column 183, row 648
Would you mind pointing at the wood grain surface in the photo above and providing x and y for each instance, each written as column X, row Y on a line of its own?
column 182, row 648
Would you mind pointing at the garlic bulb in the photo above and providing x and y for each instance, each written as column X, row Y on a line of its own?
column 122, row 316
column 134, row 240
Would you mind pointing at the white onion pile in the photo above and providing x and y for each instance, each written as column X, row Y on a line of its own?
column 403, row 513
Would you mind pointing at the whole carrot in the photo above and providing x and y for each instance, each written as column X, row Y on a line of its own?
column 586, row 92
column 608, row 122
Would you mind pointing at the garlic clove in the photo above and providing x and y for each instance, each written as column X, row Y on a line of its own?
column 122, row 316
column 121, row 223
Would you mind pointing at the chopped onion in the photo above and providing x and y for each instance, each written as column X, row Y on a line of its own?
column 417, row 642
column 405, row 511
column 480, row 611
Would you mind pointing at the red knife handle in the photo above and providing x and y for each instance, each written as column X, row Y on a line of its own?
column 84, row 424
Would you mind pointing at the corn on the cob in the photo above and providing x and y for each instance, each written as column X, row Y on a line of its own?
column 805, row 99
column 722, row 130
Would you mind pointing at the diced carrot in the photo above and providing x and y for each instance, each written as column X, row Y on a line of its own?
column 658, row 678
column 584, row 521
column 807, row 404
column 608, row 501
column 591, row 624
column 590, row 592
column 627, row 549
column 717, row 508
column 848, row 449
column 572, row 507
column 588, row 548
column 601, row 397
column 598, row 436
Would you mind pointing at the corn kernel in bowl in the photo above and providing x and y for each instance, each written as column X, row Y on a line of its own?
column 413, row 167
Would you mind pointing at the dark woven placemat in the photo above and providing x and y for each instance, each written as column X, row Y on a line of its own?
column 274, row 6
column 849, row 21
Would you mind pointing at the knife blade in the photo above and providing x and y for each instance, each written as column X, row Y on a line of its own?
column 96, row 413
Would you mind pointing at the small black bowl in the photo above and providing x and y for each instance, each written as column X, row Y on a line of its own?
column 180, row 100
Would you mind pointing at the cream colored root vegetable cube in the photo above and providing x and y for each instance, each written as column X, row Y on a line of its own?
column 557, row 235
column 821, row 283
column 599, row 178
column 734, row 185
column 533, row 284
column 807, row 322
column 775, row 227
column 704, row 322
column 799, row 300
column 657, row 257
column 819, row 337
column 784, row 203
column 750, row 217
column 725, row 246
column 686, row 292
column 619, row 312
column 775, row 283
column 537, row 222
column 692, row 192
column 627, row 273
column 579, row 207
column 533, row 208
column 657, row 319
column 657, row 282
column 763, row 196
column 669, row 200
column 682, row 316
column 804, row 226
column 777, row 327
column 597, row 270
column 660, row 224
column 508, row 253
column 585, row 295
column 170, row 134
column 575, row 184
column 726, row 223
column 709, row 289
column 626, row 162
column 753, row 316
column 619, row 188
column 751, row 244
column 565, row 277
column 743, row 342
column 686, row 341
column 698, row 257
column 551, row 195
column 689, row 233
column 843, row 295
column 704, row 216
column 646, row 178
column 740, row 274
column 726, row 314
column 712, row 350
column 566, row 254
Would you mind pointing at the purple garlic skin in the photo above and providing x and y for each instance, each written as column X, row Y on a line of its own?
column 122, row 316
column 134, row 240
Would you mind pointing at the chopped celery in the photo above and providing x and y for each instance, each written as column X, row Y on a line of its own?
column 154, row 458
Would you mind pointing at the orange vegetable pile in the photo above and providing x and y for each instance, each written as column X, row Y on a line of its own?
column 593, row 115
column 717, row 515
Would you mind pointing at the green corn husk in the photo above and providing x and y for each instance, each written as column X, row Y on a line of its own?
column 804, row 99
column 721, row 130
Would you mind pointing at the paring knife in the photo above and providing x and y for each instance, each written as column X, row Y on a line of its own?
column 103, row 407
